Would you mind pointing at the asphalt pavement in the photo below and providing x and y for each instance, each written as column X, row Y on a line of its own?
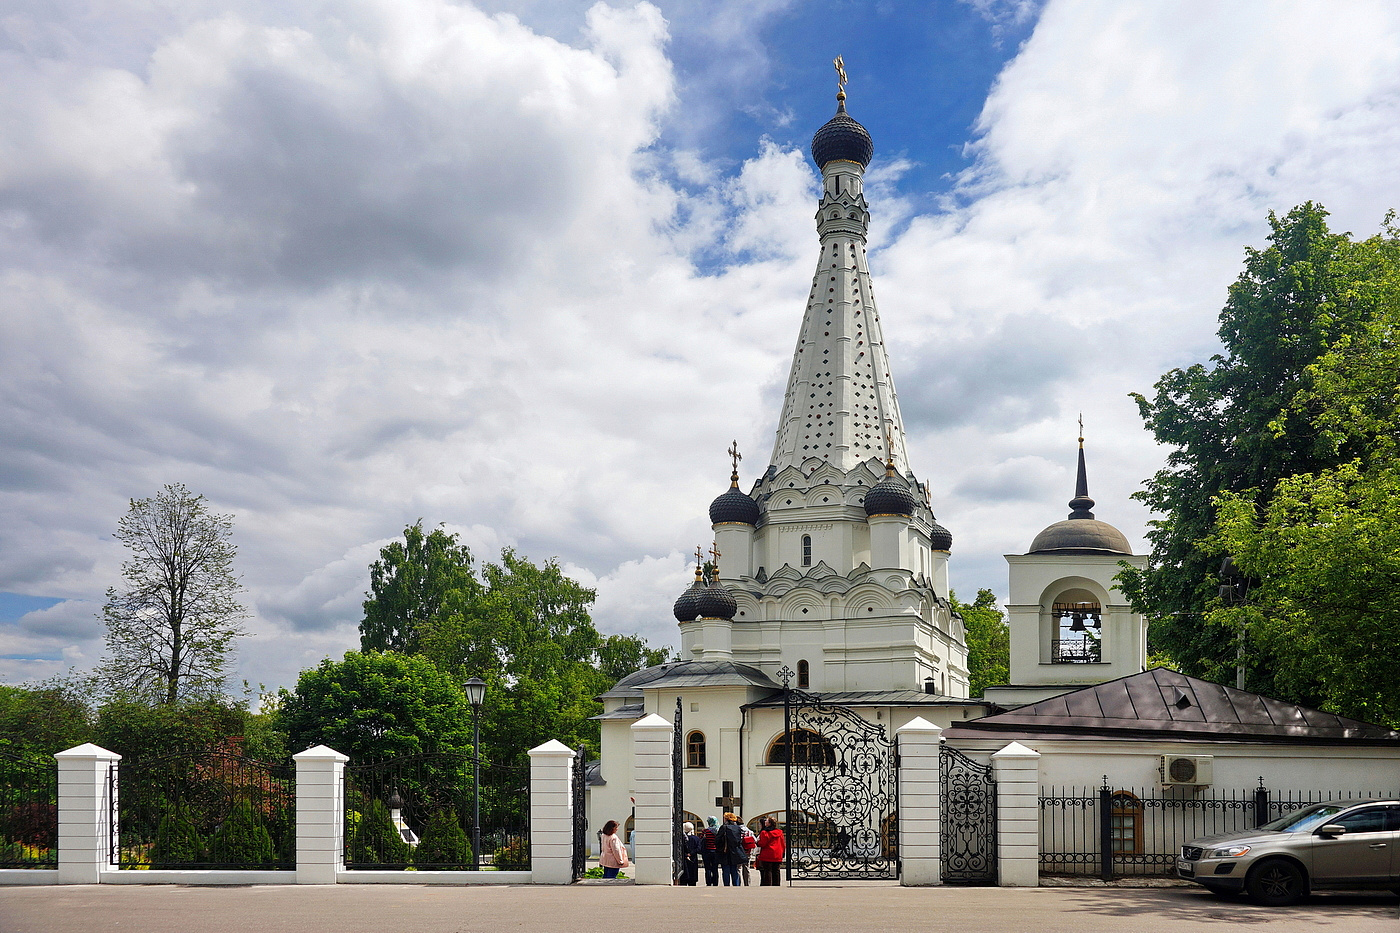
column 626, row 908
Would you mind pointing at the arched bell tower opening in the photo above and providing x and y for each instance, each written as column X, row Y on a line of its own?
column 1075, row 617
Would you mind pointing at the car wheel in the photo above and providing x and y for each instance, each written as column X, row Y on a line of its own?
column 1276, row 883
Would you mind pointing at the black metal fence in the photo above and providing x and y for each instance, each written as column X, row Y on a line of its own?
column 415, row 812
column 1114, row 831
column 28, row 811
column 203, row 809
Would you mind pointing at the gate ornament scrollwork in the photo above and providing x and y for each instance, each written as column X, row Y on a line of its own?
column 969, row 819
column 842, row 792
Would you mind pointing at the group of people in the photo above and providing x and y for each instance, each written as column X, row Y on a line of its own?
column 727, row 851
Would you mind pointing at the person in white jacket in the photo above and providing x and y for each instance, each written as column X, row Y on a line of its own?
column 614, row 854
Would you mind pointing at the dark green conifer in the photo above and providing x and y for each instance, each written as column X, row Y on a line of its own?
column 376, row 840
column 243, row 839
column 177, row 842
column 444, row 846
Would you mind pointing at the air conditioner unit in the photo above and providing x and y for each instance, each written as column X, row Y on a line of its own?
column 1189, row 770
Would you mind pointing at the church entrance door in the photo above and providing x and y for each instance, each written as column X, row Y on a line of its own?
column 969, row 818
column 842, row 785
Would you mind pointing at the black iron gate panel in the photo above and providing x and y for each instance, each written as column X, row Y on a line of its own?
column 578, row 784
column 969, row 819
column 842, row 786
column 677, row 796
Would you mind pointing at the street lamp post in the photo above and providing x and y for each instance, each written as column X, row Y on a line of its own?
column 476, row 692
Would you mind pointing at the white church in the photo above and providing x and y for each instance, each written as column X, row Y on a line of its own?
column 834, row 568
column 831, row 574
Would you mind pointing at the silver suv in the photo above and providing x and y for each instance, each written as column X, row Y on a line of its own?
column 1342, row 844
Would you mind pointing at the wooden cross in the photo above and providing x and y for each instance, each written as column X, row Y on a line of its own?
column 727, row 801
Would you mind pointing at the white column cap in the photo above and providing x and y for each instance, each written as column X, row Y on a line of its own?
column 921, row 725
column 320, row 753
column 88, row 751
column 1015, row 750
column 552, row 749
column 652, row 722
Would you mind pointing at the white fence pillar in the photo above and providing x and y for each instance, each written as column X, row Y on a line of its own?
column 1017, row 771
column 320, row 814
column 87, row 805
column 920, row 827
column 551, row 814
column 651, row 776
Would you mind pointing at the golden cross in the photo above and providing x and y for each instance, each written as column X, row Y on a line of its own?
column 1081, row 429
column 714, row 552
column 734, row 455
column 840, row 73
column 699, row 555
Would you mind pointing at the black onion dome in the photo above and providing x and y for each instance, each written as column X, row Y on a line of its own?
column 890, row 496
column 716, row 602
column 940, row 538
column 842, row 137
column 687, row 606
column 734, row 506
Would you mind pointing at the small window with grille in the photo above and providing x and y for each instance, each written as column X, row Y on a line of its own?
column 806, row 550
column 804, row 675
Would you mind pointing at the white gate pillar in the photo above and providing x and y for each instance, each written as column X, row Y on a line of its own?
column 551, row 813
column 87, row 805
column 920, row 796
column 1017, row 770
column 652, row 785
column 320, row 814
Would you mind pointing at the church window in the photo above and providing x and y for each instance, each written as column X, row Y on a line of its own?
column 808, row 748
column 1125, row 823
column 695, row 750
column 807, row 547
column 804, row 678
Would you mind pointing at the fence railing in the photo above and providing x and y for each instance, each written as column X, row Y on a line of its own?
column 28, row 811
column 416, row 812
column 1115, row 831
column 203, row 809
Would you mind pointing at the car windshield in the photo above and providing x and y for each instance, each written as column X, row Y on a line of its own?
column 1304, row 820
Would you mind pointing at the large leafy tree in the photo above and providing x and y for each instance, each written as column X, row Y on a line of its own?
column 172, row 625
column 42, row 720
column 412, row 585
column 374, row 705
column 524, row 628
column 1243, row 423
column 988, row 641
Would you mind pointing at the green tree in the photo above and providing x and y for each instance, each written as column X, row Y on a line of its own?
column 1244, row 423
column 42, row 720
column 444, row 846
column 1325, row 552
column 243, row 838
column 375, row 840
column 375, row 705
column 177, row 842
column 988, row 641
column 138, row 730
column 171, row 628
column 412, row 585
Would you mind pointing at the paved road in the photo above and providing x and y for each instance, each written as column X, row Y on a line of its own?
column 628, row 909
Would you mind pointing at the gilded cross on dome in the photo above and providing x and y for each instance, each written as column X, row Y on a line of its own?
column 840, row 73
column 734, row 455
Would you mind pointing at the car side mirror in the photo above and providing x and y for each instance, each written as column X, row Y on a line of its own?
column 1332, row 829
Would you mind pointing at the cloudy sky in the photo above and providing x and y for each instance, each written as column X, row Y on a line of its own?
column 525, row 267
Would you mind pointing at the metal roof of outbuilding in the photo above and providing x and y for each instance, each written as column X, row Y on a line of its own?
column 1167, row 704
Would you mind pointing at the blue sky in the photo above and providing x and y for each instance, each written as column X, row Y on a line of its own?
column 525, row 267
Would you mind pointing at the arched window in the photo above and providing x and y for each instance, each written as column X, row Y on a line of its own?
column 808, row 748
column 1125, row 822
column 804, row 675
column 1077, row 620
column 695, row 750
column 806, row 550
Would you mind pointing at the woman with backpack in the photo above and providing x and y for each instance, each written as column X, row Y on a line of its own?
column 729, row 843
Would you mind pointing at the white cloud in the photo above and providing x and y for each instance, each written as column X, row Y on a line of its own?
column 343, row 268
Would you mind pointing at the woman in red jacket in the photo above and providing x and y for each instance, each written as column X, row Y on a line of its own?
column 771, row 849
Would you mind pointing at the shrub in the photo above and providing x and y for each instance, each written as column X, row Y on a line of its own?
column 514, row 855
column 377, row 840
column 177, row 841
column 33, row 823
column 444, row 846
column 242, row 839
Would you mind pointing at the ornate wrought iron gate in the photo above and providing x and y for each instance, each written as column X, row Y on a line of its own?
column 842, row 788
column 580, row 781
column 677, row 796
column 969, row 816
